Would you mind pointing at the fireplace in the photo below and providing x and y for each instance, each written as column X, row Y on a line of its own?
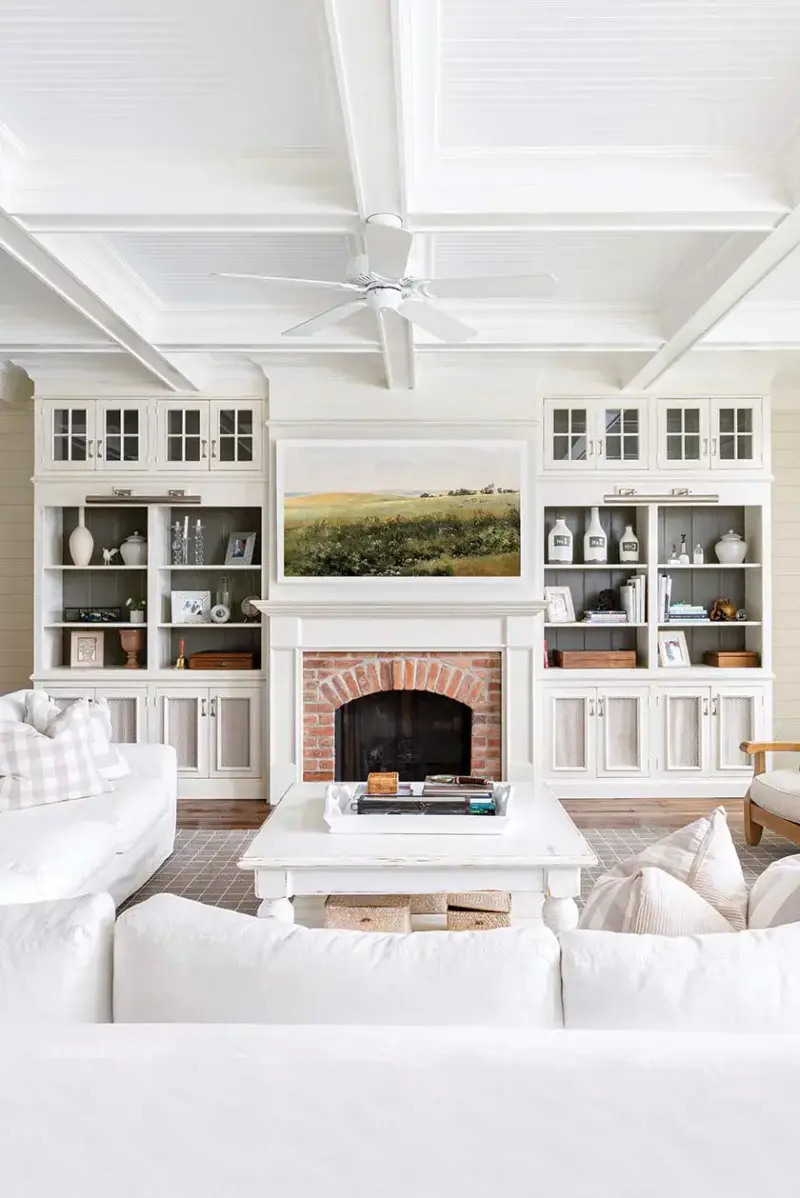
column 413, row 732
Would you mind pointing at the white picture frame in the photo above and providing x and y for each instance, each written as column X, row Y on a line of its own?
column 190, row 607
column 240, row 549
column 561, row 609
column 673, row 650
column 86, row 649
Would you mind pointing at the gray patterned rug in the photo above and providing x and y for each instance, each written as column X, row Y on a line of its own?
column 203, row 866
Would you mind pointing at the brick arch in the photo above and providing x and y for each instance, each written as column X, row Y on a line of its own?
column 403, row 673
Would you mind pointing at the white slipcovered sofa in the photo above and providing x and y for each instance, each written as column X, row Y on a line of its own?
column 109, row 842
column 502, row 1097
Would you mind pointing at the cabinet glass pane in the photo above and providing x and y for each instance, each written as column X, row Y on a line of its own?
column 691, row 420
column 684, row 751
column 122, row 435
column 569, row 435
column 735, row 715
column 233, row 736
column 613, row 420
column 621, row 732
column 577, row 449
column 236, row 435
column 192, row 449
column 691, row 448
column 736, row 434
column 674, row 447
column 674, row 422
column 569, row 734
column 631, row 448
column 726, row 420
column 174, row 449
column 561, row 448
column 192, row 416
column 614, row 448
column 113, row 421
column 69, row 434
column 561, row 420
column 745, row 448
column 181, row 731
column 174, row 421
column 618, row 447
column 123, row 720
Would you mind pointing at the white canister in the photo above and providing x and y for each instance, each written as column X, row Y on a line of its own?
column 133, row 550
column 560, row 542
column 81, row 542
column 595, row 541
column 731, row 550
column 629, row 545
column 137, row 615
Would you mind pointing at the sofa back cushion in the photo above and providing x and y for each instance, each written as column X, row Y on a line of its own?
column 177, row 961
column 56, row 960
column 775, row 897
column 747, row 982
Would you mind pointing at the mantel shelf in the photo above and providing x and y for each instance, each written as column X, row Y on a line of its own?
column 445, row 609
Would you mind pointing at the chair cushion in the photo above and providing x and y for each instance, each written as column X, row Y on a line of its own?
column 178, row 961
column 702, row 855
column 650, row 901
column 775, row 897
column 749, row 982
column 779, row 792
column 47, row 853
column 55, row 960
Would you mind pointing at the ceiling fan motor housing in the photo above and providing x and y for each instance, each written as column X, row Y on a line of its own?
column 380, row 296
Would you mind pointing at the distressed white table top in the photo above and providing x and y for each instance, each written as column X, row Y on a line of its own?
column 295, row 836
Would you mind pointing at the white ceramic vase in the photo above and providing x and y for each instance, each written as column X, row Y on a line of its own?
column 559, row 543
column 133, row 550
column 629, row 545
column 731, row 550
column 595, row 540
column 81, row 542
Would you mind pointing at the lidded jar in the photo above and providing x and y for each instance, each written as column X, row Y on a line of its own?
column 731, row 550
column 133, row 550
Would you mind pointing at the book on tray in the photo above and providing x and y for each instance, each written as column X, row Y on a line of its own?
column 442, row 794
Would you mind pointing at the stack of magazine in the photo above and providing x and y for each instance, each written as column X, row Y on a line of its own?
column 442, row 794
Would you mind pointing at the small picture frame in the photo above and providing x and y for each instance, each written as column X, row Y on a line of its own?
column 561, row 608
column 86, row 650
column 673, row 651
column 241, row 547
column 190, row 607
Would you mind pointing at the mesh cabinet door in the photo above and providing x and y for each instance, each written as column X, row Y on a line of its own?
column 236, row 731
column 685, row 715
column 571, row 731
column 623, row 721
column 185, row 726
column 735, row 714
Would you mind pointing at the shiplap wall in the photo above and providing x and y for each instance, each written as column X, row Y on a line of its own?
column 786, row 572
column 16, row 544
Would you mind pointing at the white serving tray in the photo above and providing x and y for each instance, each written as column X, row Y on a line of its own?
column 340, row 818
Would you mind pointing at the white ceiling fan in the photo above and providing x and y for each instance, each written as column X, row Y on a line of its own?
column 377, row 279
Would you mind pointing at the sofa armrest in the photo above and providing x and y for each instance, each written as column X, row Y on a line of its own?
column 758, row 749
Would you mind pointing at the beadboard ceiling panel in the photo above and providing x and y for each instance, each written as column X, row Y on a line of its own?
column 704, row 74
column 626, row 267
column 179, row 267
column 192, row 78
column 30, row 311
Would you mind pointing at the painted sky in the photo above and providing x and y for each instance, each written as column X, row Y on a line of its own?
column 321, row 469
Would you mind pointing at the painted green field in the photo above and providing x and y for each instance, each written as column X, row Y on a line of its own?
column 386, row 534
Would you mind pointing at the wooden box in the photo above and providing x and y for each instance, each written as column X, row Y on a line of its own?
column 368, row 912
column 732, row 659
column 219, row 660
column 383, row 783
column 587, row 659
column 481, row 900
column 477, row 921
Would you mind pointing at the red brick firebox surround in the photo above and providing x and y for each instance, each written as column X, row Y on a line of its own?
column 332, row 679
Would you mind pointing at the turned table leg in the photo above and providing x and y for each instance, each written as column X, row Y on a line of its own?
column 281, row 910
column 560, row 911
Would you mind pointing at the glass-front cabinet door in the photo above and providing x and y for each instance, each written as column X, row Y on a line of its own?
column 568, row 443
column 683, row 437
column 735, row 434
column 122, row 436
column 235, row 436
column 622, row 437
column 183, row 436
column 69, row 433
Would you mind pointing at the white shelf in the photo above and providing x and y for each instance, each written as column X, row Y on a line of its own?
column 230, row 569
column 586, row 624
column 106, row 568
column 595, row 566
column 712, row 566
column 713, row 624
column 95, row 624
column 208, row 624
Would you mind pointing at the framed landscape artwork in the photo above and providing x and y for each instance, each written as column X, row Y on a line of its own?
column 400, row 509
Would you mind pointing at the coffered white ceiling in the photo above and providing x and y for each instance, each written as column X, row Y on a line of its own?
column 645, row 153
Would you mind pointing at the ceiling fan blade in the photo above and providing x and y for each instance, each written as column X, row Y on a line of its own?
column 226, row 274
column 387, row 250
column 332, row 316
column 494, row 287
column 435, row 321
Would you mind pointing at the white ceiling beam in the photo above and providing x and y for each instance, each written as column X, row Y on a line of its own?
column 727, row 281
column 365, row 54
column 25, row 250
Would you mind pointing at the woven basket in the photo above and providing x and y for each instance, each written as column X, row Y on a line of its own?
column 368, row 912
column 481, row 900
column 428, row 904
column 477, row 921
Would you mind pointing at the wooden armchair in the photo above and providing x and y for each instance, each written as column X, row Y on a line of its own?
column 773, row 799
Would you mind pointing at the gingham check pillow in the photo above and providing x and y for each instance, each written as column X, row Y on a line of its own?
column 44, row 715
column 37, row 769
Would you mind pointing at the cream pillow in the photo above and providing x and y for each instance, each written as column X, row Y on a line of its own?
column 46, row 716
column 649, row 901
column 775, row 897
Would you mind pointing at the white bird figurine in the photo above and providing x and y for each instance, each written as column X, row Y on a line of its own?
column 109, row 555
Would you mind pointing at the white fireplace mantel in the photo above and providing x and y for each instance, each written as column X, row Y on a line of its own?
column 509, row 626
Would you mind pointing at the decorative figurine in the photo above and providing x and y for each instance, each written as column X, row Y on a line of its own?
column 723, row 609
column 683, row 555
column 673, row 559
column 199, row 547
column 607, row 601
column 109, row 555
column 180, row 547
column 741, row 614
column 180, row 663
column 699, row 556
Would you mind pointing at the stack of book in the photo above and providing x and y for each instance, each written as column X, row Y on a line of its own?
column 632, row 599
column 686, row 612
column 592, row 616
column 442, row 794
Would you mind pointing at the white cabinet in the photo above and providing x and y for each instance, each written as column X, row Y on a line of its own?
column 126, row 706
column 585, row 436
column 597, row 732
column 702, row 728
column 183, row 436
column 215, row 732
column 223, row 435
column 89, row 435
column 236, row 436
column 706, row 434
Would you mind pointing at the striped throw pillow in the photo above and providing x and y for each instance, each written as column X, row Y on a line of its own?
column 775, row 897
column 649, row 901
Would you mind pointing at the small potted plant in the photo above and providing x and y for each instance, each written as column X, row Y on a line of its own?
column 136, row 607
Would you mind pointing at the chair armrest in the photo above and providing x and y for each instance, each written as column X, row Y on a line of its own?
column 758, row 749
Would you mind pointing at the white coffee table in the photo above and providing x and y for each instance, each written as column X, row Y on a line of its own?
column 539, row 858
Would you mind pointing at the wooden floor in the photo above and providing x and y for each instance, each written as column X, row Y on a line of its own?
column 587, row 813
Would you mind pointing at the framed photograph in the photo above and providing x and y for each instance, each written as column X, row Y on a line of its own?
column 400, row 509
column 241, row 546
column 86, row 650
column 561, row 608
column 191, row 607
column 92, row 615
column 672, row 648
